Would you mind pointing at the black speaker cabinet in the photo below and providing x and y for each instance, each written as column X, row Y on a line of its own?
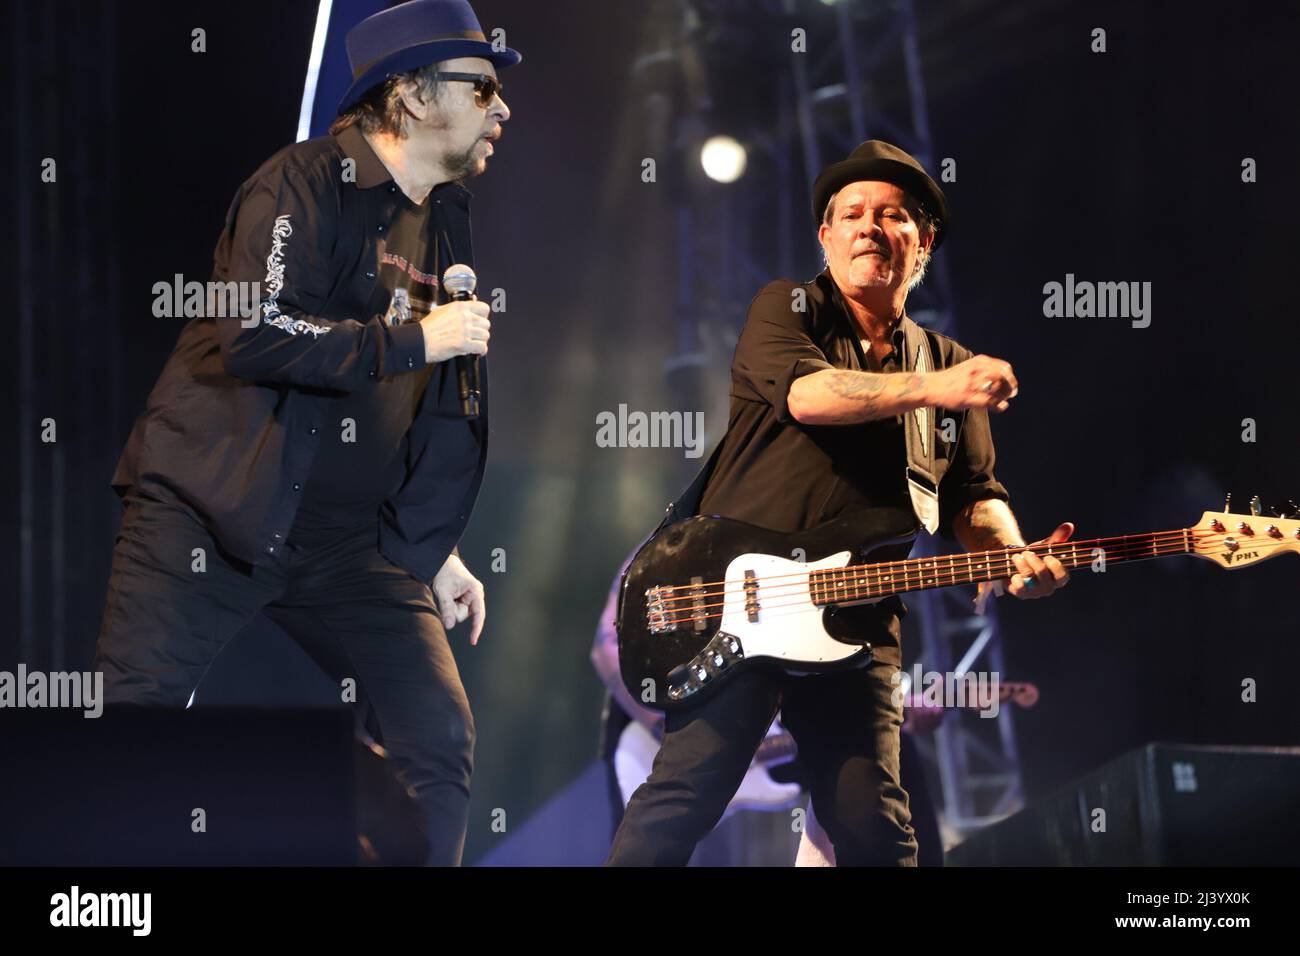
column 1160, row 805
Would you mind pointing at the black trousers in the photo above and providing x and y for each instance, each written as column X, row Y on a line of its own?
column 847, row 729
column 356, row 614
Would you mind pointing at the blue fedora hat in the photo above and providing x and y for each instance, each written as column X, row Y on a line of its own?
column 415, row 34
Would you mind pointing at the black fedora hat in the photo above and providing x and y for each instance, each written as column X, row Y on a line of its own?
column 415, row 34
column 876, row 159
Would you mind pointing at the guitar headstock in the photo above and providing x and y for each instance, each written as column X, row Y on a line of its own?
column 1235, row 541
column 1019, row 693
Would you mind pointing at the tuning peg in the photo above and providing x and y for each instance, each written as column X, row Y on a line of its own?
column 1227, row 504
column 1255, row 506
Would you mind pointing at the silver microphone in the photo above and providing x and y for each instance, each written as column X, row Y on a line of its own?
column 460, row 282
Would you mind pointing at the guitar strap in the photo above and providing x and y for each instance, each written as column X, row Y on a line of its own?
column 922, row 470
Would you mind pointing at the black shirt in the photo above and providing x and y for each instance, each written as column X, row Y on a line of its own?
column 777, row 473
column 235, row 422
column 363, row 454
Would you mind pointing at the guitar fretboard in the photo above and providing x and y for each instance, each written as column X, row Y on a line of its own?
column 864, row 581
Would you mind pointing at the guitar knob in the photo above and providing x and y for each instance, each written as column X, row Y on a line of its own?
column 1216, row 525
column 1274, row 532
column 1231, row 544
column 679, row 684
column 1244, row 528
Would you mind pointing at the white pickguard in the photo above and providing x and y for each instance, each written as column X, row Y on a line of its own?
column 789, row 626
column 634, row 758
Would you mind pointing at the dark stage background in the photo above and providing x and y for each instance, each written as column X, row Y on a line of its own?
column 1123, row 166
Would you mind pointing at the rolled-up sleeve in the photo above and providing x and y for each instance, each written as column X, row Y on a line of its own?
column 280, row 233
column 775, row 348
column 969, row 477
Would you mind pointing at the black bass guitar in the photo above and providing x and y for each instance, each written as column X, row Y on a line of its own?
column 708, row 597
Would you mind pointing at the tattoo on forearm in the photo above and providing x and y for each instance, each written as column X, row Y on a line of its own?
column 864, row 388
column 847, row 384
column 911, row 384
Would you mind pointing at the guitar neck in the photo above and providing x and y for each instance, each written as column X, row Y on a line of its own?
column 864, row 581
column 1016, row 691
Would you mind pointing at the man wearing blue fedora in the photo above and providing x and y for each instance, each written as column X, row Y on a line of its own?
column 314, row 462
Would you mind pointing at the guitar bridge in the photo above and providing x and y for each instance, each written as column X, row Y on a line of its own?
column 663, row 617
column 658, row 620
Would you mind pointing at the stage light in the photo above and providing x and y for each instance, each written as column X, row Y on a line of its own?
column 723, row 159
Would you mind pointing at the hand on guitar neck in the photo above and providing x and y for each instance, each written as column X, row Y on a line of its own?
column 989, row 524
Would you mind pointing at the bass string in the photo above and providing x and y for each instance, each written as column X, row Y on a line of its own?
column 952, row 572
column 1040, row 549
column 675, row 615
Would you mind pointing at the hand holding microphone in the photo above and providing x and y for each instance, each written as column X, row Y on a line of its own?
column 459, row 329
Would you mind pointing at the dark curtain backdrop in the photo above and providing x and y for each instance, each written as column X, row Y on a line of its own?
column 1116, row 167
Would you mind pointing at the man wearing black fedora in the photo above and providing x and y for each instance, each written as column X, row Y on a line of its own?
column 314, row 462
column 840, row 402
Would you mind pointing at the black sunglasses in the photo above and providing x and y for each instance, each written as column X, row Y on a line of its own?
column 486, row 88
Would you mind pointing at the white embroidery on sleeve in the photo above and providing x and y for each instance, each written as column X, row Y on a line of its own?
column 271, row 313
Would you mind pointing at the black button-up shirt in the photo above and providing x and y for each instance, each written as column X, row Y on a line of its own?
column 233, row 425
column 774, row 472
column 363, row 454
